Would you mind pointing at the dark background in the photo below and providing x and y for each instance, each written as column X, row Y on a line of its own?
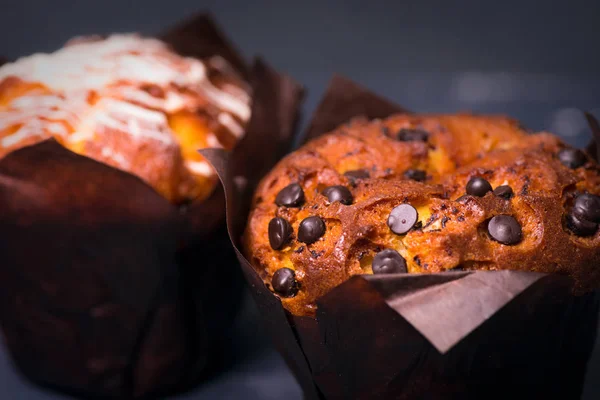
column 537, row 61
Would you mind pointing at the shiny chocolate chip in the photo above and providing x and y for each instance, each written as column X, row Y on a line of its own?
column 587, row 207
column 478, row 186
column 290, row 196
column 311, row 229
column 504, row 192
column 280, row 233
column 284, row 282
column 356, row 175
column 388, row 261
column 415, row 174
column 580, row 226
column 338, row 193
column 505, row 229
column 402, row 218
column 412, row 135
column 572, row 158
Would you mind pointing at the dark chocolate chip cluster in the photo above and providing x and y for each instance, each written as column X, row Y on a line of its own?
column 504, row 229
column 310, row 229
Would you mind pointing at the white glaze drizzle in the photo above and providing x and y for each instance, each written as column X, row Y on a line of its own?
column 119, row 71
column 230, row 123
column 199, row 167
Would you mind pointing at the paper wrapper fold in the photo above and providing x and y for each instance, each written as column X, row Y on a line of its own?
column 593, row 148
column 454, row 335
column 108, row 290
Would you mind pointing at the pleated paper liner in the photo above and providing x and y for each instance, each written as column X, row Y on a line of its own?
column 107, row 289
column 593, row 148
column 454, row 335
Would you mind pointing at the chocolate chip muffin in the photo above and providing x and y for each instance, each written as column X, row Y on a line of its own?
column 424, row 194
column 129, row 102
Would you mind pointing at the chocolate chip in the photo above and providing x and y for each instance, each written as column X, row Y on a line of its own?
column 299, row 249
column 356, row 175
column 311, row 229
column 338, row 193
column 316, row 254
column 581, row 227
column 572, row 158
column 402, row 218
column 412, row 135
column 444, row 220
column 432, row 218
column 417, row 260
column 478, row 186
column 284, row 282
column 587, row 207
column 462, row 198
column 505, row 229
column 504, row 192
column 280, row 233
column 388, row 261
column 415, row 174
column 290, row 196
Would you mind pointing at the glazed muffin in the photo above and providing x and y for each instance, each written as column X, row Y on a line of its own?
column 129, row 102
column 424, row 194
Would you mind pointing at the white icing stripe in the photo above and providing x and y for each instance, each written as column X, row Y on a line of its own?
column 81, row 135
column 200, row 167
column 213, row 142
column 21, row 134
column 118, row 157
column 237, row 92
column 230, row 123
column 137, row 121
column 57, row 128
column 48, row 101
column 226, row 101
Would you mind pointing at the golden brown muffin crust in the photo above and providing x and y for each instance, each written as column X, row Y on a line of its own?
column 452, row 229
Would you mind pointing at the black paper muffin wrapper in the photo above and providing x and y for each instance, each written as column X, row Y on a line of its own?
column 107, row 289
column 454, row 335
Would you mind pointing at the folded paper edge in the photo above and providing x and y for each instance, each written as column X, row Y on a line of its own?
column 297, row 361
column 495, row 288
column 593, row 148
column 340, row 98
column 190, row 27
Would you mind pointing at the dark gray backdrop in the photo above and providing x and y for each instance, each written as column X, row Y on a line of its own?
column 537, row 63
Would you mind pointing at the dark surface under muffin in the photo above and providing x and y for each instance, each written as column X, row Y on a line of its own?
column 424, row 194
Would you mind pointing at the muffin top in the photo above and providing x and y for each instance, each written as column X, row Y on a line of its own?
column 424, row 194
column 129, row 102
